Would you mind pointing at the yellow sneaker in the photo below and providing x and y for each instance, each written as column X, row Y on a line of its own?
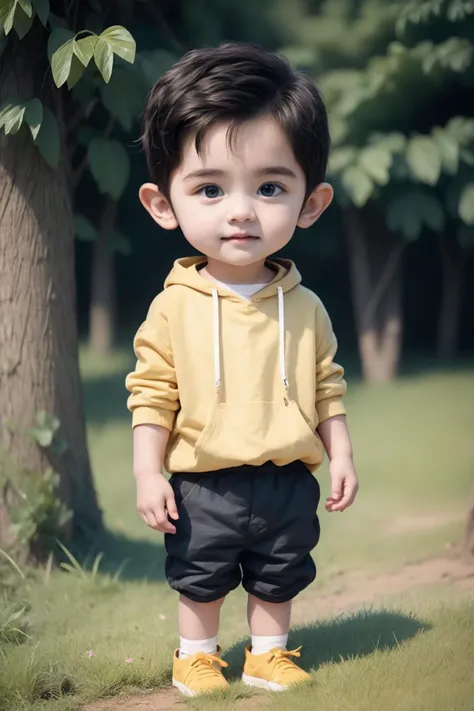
column 274, row 670
column 199, row 674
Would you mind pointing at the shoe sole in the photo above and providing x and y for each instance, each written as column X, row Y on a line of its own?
column 185, row 691
column 262, row 684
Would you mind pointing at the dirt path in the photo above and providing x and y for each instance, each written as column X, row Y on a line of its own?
column 350, row 592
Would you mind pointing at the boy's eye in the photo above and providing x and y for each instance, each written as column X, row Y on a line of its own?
column 211, row 191
column 270, row 190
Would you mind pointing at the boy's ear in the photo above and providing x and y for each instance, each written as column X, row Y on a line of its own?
column 158, row 206
column 316, row 203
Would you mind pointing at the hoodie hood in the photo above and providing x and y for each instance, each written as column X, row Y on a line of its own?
column 186, row 273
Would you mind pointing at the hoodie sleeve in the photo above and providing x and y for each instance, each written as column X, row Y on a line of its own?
column 330, row 383
column 154, row 397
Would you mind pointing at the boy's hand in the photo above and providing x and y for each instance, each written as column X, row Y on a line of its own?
column 155, row 502
column 344, row 483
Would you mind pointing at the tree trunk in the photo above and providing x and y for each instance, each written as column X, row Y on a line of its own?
column 468, row 542
column 102, row 308
column 376, row 287
column 453, row 262
column 38, row 338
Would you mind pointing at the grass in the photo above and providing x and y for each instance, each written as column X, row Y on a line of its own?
column 414, row 449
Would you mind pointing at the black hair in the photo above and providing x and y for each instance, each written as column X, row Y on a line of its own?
column 233, row 83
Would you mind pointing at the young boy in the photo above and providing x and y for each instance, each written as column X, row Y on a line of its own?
column 236, row 393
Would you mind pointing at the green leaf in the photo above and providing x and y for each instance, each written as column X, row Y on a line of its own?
column 34, row 116
column 357, row 184
column 42, row 10
column 26, row 6
column 110, row 166
column 84, row 48
column 449, row 150
column 13, row 118
column 84, row 229
column 9, row 17
column 121, row 42
column 424, row 159
column 45, row 428
column 48, row 139
column 468, row 157
column 104, row 58
column 376, row 162
column 5, row 7
column 392, row 142
column 22, row 22
column 124, row 95
column 342, row 158
column 61, row 52
column 461, row 128
column 76, row 72
column 409, row 212
column 466, row 204
column 11, row 112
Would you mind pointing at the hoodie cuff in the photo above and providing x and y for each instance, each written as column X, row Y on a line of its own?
column 330, row 408
column 153, row 416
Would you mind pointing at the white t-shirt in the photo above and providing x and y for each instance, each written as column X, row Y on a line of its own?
column 244, row 290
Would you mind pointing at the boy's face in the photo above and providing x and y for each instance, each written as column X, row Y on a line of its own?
column 238, row 204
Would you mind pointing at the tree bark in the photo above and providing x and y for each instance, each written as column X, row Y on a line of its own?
column 38, row 337
column 468, row 542
column 453, row 262
column 102, row 308
column 375, row 257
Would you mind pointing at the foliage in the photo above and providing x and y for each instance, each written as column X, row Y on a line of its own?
column 69, row 55
column 399, row 137
column 40, row 515
column 13, row 622
column 37, row 513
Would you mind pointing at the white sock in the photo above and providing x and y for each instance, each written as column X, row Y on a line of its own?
column 262, row 645
column 188, row 647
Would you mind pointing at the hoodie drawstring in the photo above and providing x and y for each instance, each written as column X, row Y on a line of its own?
column 217, row 342
column 281, row 341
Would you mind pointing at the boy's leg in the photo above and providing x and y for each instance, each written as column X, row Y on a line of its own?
column 198, row 624
column 269, row 624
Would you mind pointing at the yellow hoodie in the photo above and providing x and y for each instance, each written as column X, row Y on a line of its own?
column 236, row 381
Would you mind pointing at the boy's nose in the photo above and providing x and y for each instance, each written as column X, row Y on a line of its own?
column 240, row 210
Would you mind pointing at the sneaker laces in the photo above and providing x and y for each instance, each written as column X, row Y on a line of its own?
column 203, row 665
column 282, row 658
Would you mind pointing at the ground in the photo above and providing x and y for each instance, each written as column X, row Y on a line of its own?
column 356, row 590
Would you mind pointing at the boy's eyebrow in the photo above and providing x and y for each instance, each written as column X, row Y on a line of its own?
column 276, row 170
column 205, row 173
column 217, row 173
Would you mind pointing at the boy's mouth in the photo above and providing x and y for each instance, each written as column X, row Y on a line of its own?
column 237, row 237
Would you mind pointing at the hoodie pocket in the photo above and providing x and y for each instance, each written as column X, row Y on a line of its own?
column 256, row 432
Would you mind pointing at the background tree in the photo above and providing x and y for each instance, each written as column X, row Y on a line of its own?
column 42, row 423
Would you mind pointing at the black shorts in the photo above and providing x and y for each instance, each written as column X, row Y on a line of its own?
column 255, row 525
